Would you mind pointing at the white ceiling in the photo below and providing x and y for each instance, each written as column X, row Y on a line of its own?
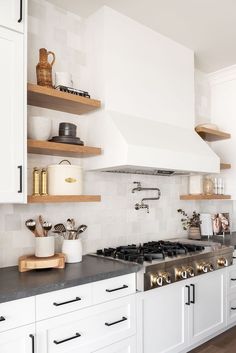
column 206, row 26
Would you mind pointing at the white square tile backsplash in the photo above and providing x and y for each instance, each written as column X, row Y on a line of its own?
column 113, row 221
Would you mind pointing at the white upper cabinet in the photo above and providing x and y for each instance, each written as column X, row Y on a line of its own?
column 12, row 14
column 12, row 121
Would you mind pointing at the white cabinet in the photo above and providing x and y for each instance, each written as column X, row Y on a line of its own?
column 20, row 340
column 17, row 313
column 208, row 314
column 63, row 301
column 231, row 297
column 125, row 346
column 113, row 288
column 12, row 14
column 12, row 121
column 89, row 329
column 162, row 320
column 181, row 315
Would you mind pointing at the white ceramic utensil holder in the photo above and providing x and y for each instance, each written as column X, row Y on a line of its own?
column 73, row 250
column 44, row 246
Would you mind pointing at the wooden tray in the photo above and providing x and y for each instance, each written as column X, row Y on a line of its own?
column 31, row 262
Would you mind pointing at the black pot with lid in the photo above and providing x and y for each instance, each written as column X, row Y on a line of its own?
column 67, row 129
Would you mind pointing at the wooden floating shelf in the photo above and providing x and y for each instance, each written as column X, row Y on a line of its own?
column 51, row 98
column 63, row 198
column 225, row 166
column 61, row 149
column 205, row 197
column 211, row 135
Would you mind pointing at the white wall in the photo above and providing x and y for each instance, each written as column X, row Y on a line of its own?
column 113, row 221
column 202, row 98
column 223, row 112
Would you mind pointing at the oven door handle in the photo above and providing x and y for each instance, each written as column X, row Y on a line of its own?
column 188, row 302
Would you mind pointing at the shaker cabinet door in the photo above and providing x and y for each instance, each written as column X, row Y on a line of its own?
column 12, row 14
column 162, row 320
column 12, row 143
column 20, row 340
column 209, row 308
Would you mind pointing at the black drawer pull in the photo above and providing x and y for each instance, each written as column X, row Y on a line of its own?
column 188, row 302
column 68, row 302
column 21, row 16
column 193, row 300
column 2, row 318
column 116, row 322
column 32, row 338
column 77, row 335
column 233, row 308
column 113, row 290
column 20, row 169
column 233, row 279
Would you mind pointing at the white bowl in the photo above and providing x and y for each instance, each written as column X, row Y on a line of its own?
column 39, row 128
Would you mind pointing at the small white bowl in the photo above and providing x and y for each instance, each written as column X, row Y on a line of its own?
column 39, row 128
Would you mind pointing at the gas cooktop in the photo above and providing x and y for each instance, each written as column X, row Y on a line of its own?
column 165, row 262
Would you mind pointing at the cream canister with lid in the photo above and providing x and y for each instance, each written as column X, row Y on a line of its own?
column 65, row 179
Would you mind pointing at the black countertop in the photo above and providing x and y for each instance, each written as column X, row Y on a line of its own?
column 228, row 240
column 15, row 285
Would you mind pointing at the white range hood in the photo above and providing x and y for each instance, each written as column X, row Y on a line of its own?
column 146, row 84
column 141, row 146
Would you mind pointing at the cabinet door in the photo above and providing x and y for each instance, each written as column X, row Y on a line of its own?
column 11, row 117
column 20, row 340
column 125, row 346
column 12, row 14
column 209, row 308
column 162, row 319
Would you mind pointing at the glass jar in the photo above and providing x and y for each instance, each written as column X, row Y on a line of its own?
column 208, row 186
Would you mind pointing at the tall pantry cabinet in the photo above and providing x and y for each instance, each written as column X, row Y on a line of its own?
column 13, row 34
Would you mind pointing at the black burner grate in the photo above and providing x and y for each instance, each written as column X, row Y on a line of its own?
column 149, row 251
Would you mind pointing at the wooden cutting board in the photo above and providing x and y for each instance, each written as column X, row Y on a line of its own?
column 31, row 262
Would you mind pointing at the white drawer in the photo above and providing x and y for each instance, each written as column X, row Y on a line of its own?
column 231, row 309
column 88, row 329
column 125, row 346
column 232, row 278
column 17, row 313
column 63, row 301
column 113, row 288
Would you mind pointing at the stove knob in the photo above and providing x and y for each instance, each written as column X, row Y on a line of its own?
column 222, row 261
column 166, row 277
column 181, row 273
column 190, row 271
column 206, row 267
column 156, row 280
column 210, row 267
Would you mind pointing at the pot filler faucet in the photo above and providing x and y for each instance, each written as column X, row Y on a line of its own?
column 142, row 205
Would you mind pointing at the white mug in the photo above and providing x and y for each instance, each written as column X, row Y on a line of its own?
column 39, row 128
column 63, row 79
